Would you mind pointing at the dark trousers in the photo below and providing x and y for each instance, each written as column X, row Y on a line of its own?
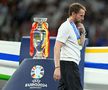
column 70, row 77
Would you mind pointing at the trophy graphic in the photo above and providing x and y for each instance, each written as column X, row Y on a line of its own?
column 39, row 39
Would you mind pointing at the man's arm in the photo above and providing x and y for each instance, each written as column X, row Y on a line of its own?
column 82, row 33
column 82, row 39
column 57, row 47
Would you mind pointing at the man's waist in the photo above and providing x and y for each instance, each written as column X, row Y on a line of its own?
column 76, row 60
column 68, row 58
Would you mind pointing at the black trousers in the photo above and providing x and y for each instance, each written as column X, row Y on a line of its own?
column 70, row 77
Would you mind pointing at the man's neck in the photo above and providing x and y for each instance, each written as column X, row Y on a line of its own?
column 71, row 19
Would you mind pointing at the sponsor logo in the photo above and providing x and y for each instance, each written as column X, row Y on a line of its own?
column 37, row 72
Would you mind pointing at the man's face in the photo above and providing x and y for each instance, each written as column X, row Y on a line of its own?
column 79, row 17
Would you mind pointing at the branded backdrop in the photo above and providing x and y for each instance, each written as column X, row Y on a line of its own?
column 36, row 74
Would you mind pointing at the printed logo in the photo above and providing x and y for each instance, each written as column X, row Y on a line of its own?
column 37, row 72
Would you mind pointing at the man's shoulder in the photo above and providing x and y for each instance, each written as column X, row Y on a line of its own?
column 64, row 24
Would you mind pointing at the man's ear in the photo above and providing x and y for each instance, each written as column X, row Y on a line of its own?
column 73, row 13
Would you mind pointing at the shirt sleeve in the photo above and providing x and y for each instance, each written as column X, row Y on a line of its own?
column 63, row 33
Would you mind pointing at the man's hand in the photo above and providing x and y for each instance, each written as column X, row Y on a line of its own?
column 57, row 74
column 82, row 33
column 81, row 28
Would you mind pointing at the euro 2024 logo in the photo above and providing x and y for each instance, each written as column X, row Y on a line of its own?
column 37, row 72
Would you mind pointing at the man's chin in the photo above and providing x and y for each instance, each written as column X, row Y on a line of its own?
column 78, row 22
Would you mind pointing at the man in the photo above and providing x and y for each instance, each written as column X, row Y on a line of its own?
column 69, row 41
